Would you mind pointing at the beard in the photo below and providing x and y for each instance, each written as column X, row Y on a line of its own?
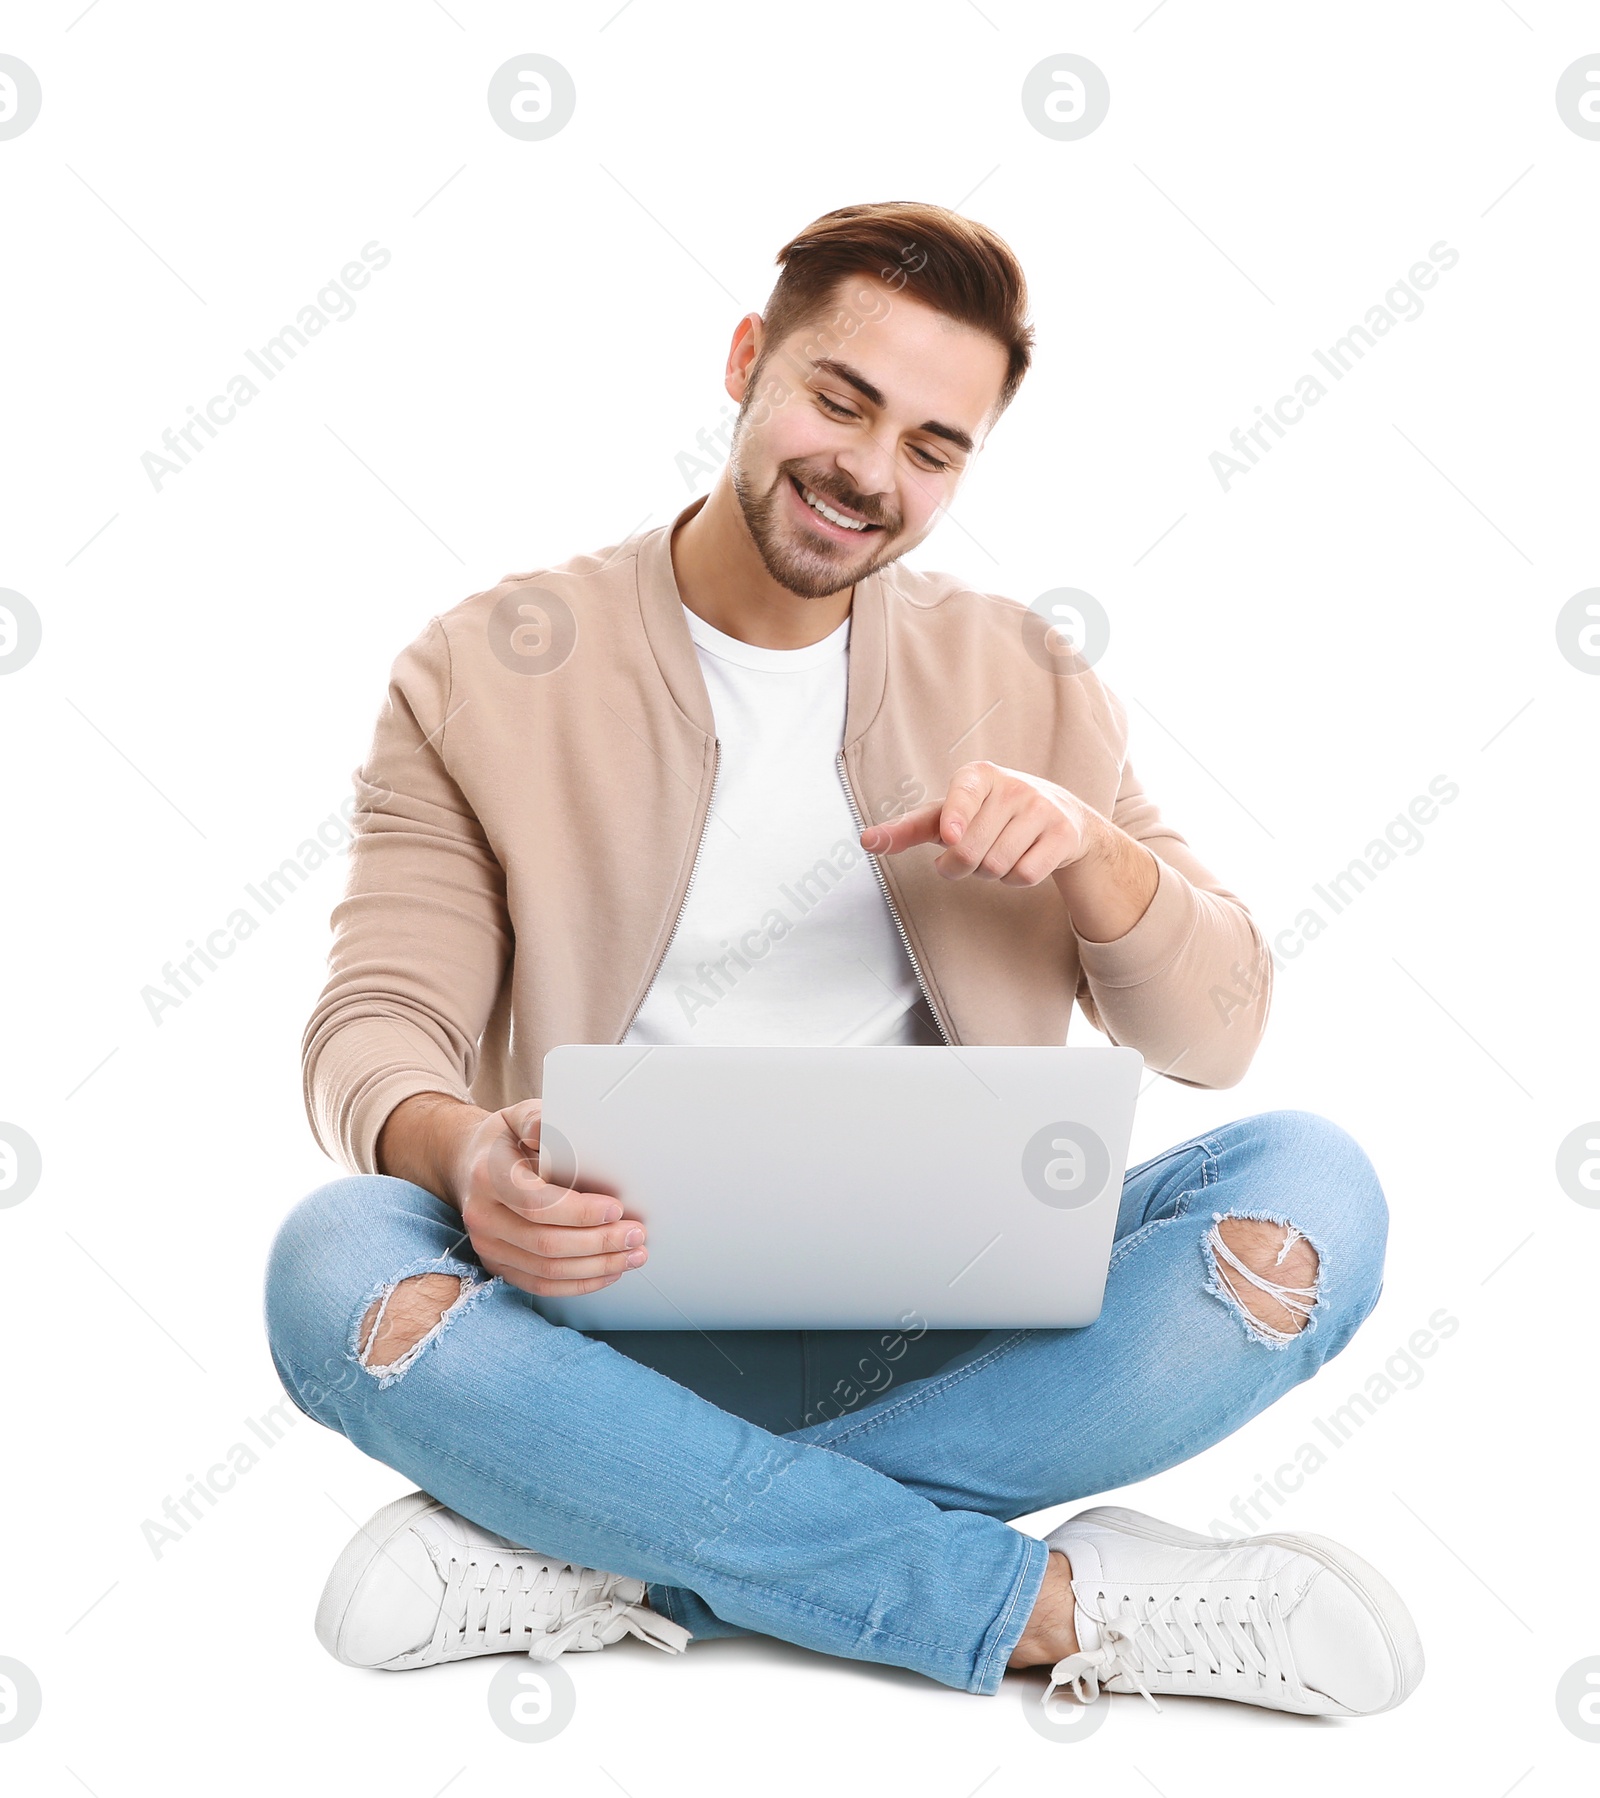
column 811, row 567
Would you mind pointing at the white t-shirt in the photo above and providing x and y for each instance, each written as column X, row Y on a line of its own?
column 785, row 935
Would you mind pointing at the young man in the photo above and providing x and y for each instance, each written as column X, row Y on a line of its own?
column 593, row 803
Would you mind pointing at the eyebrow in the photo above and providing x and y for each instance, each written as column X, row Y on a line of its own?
column 854, row 378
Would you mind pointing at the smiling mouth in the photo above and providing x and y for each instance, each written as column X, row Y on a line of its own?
column 835, row 517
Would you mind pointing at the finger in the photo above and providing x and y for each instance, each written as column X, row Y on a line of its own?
column 514, row 1181
column 970, row 788
column 991, row 819
column 549, row 1289
column 1058, row 844
column 1016, row 837
column 545, row 1201
column 546, row 1241
column 904, row 832
column 565, row 1267
column 514, row 1154
column 570, row 1207
column 524, row 1120
column 1038, row 862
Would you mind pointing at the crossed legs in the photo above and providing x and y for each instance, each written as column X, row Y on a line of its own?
column 1244, row 1259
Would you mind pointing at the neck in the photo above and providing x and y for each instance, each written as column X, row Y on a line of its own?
column 722, row 579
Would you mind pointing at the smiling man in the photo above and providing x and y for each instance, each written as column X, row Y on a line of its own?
column 744, row 778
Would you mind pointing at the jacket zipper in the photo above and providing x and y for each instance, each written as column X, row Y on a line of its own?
column 911, row 954
column 716, row 757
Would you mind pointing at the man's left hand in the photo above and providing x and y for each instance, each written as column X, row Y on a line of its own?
column 995, row 823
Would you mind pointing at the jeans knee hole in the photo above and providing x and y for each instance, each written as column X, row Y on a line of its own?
column 1286, row 1312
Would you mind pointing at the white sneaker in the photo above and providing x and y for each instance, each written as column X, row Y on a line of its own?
column 420, row 1584
column 1295, row 1623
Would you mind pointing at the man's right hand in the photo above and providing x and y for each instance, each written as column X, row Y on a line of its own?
column 553, row 1241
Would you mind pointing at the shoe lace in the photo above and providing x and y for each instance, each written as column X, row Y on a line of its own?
column 548, row 1606
column 1221, row 1641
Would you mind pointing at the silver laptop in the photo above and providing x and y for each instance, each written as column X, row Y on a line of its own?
column 844, row 1188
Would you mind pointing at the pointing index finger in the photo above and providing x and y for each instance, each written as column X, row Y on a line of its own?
column 904, row 832
column 939, row 821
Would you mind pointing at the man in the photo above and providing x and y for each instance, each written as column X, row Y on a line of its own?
column 592, row 803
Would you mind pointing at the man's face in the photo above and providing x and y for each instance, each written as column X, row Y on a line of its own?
column 876, row 410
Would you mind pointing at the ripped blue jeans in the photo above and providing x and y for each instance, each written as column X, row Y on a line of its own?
column 845, row 1490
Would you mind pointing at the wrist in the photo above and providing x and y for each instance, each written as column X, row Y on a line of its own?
column 424, row 1140
column 452, row 1128
column 1101, row 842
column 1096, row 856
column 1108, row 888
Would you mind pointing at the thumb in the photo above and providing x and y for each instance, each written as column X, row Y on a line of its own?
column 524, row 1120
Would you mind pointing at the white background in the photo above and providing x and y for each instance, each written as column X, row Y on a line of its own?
column 1371, row 607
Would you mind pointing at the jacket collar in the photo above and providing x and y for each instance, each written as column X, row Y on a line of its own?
column 661, row 609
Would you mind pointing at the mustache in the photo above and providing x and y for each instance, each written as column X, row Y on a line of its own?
column 852, row 503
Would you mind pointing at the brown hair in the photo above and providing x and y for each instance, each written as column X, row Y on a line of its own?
column 951, row 263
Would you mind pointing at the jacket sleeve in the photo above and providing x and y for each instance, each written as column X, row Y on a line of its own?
column 1189, row 986
column 421, row 937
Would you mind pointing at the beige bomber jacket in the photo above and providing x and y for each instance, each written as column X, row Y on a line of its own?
column 531, row 809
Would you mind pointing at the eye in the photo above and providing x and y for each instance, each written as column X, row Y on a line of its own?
column 929, row 461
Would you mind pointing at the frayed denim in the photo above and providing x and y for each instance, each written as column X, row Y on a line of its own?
column 849, row 1491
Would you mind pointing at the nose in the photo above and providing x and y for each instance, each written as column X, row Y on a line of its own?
column 867, row 468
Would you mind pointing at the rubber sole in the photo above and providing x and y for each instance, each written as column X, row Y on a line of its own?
column 1382, row 1601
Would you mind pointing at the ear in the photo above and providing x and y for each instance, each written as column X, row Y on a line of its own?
column 743, row 353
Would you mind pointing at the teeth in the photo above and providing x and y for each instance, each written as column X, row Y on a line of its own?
column 850, row 524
